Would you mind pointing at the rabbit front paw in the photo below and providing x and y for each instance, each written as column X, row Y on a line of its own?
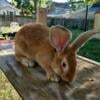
column 26, row 62
column 53, row 77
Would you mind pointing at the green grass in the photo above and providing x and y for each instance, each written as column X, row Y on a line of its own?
column 91, row 49
column 7, row 92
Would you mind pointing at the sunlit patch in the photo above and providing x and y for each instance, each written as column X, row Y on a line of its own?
column 6, row 52
column 6, row 47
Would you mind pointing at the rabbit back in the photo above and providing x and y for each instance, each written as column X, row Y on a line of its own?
column 32, row 39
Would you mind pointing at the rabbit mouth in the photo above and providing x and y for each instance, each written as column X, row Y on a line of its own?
column 65, row 79
column 57, row 71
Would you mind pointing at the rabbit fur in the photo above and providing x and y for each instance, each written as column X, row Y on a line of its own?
column 50, row 48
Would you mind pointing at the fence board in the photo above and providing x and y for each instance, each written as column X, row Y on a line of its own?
column 70, row 23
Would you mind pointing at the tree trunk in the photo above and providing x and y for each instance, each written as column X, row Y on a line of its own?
column 41, row 15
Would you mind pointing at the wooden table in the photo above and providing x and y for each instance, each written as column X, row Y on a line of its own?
column 32, row 84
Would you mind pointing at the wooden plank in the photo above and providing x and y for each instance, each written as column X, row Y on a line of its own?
column 88, row 60
column 32, row 84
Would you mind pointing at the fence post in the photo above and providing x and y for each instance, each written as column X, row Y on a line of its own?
column 97, row 21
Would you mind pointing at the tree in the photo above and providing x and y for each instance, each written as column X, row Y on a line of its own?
column 28, row 7
column 74, row 4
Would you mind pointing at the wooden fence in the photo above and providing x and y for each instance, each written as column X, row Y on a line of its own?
column 71, row 23
column 5, row 20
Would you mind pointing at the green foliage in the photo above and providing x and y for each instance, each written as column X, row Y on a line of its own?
column 89, row 2
column 45, row 3
column 28, row 7
column 74, row 4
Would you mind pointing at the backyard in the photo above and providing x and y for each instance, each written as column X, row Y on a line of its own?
column 91, row 50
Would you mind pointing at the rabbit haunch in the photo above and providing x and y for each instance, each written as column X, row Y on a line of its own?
column 50, row 48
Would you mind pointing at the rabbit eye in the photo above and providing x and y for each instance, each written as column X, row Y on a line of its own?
column 64, row 64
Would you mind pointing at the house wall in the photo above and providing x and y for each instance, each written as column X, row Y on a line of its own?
column 5, row 20
column 7, row 10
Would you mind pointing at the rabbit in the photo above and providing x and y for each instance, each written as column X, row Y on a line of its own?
column 50, row 48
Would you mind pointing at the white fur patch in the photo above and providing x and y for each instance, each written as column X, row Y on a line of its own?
column 26, row 62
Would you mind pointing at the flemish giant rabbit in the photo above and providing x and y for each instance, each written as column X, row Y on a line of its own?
column 50, row 48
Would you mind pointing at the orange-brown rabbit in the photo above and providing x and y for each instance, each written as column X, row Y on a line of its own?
column 50, row 48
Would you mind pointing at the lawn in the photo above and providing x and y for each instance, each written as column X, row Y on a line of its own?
column 7, row 92
column 91, row 49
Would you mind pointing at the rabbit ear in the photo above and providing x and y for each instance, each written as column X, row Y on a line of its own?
column 83, row 38
column 59, row 37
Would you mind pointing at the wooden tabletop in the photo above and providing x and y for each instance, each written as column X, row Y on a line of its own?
column 32, row 84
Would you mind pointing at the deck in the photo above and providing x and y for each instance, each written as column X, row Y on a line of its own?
column 32, row 84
